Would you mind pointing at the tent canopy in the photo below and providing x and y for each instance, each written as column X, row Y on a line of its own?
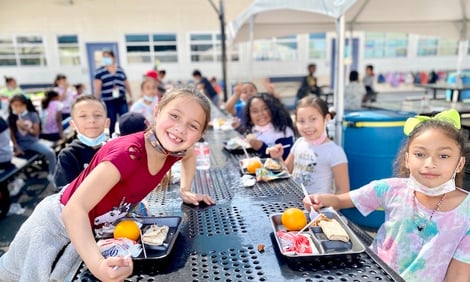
column 447, row 19
column 279, row 17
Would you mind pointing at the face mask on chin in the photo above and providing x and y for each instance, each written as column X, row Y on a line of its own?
column 155, row 143
column 445, row 187
column 92, row 142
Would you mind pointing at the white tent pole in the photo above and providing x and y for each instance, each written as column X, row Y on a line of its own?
column 339, row 83
column 250, row 48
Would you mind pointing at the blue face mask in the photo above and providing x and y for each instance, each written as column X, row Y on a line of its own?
column 107, row 61
column 92, row 142
column 149, row 99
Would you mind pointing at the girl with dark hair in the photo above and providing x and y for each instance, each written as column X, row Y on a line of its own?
column 426, row 233
column 25, row 127
column 66, row 95
column 51, row 117
column 268, row 123
column 315, row 161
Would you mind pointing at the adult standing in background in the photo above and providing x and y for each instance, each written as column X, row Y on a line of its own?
column 206, row 87
column 110, row 86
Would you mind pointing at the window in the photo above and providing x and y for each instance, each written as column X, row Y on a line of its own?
column 437, row 47
column 427, row 47
column 151, row 48
column 276, row 49
column 207, row 47
column 385, row 45
column 22, row 51
column 69, row 51
column 317, row 45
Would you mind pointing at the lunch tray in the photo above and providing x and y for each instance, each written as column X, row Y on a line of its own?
column 159, row 252
column 324, row 246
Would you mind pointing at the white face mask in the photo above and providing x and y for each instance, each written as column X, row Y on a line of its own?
column 445, row 187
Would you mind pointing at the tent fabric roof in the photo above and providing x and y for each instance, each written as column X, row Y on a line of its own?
column 280, row 17
column 447, row 19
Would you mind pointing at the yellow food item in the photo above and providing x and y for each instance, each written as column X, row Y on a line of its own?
column 127, row 229
column 253, row 165
column 293, row 219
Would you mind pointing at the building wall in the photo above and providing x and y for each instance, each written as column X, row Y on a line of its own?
column 109, row 20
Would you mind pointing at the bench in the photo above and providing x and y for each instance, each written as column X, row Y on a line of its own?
column 6, row 175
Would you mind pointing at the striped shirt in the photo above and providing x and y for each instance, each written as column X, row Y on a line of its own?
column 111, row 80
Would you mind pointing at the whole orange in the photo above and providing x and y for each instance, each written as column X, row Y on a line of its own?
column 127, row 229
column 293, row 219
column 253, row 165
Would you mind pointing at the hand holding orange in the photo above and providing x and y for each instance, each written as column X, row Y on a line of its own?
column 293, row 219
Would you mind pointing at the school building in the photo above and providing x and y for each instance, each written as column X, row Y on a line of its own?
column 41, row 38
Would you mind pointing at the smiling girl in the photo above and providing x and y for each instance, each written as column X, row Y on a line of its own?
column 426, row 233
column 315, row 161
column 119, row 176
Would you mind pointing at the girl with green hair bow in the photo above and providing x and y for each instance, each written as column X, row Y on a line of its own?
column 426, row 233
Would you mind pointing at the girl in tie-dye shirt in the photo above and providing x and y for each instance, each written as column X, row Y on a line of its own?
column 426, row 234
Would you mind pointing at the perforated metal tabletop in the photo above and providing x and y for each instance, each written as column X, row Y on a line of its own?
column 220, row 242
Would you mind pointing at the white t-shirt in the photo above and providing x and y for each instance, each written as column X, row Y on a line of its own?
column 147, row 110
column 313, row 164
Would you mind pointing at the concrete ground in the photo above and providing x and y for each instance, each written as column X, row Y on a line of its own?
column 36, row 188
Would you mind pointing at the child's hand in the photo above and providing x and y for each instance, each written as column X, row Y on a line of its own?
column 318, row 201
column 191, row 198
column 114, row 269
column 236, row 122
column 275, row 151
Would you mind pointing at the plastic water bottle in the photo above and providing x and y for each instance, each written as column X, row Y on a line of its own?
column 203, row 160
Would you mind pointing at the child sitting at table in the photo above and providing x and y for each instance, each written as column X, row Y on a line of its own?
column 51, row 117
column 150, row 97
column 268, row 123
column 24, row 124
column 119, row 176
column 315, row 161
column 72, row 160
column 426, row 235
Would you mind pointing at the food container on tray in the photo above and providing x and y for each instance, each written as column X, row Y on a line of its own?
column 161, row 251
column 244, row 164
column 322, row 245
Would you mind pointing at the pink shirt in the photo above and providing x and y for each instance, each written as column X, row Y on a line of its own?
column 136, row 181
column 48, row 117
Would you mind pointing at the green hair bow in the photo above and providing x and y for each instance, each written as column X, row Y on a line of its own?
column 451, row 116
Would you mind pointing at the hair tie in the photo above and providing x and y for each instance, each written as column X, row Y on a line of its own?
column 451, row 116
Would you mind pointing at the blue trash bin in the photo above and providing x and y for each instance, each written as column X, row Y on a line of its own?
column 371, row 141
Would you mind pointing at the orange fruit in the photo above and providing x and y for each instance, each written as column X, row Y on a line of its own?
column 293, row 219
column 253, row 165
column 127, row 229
